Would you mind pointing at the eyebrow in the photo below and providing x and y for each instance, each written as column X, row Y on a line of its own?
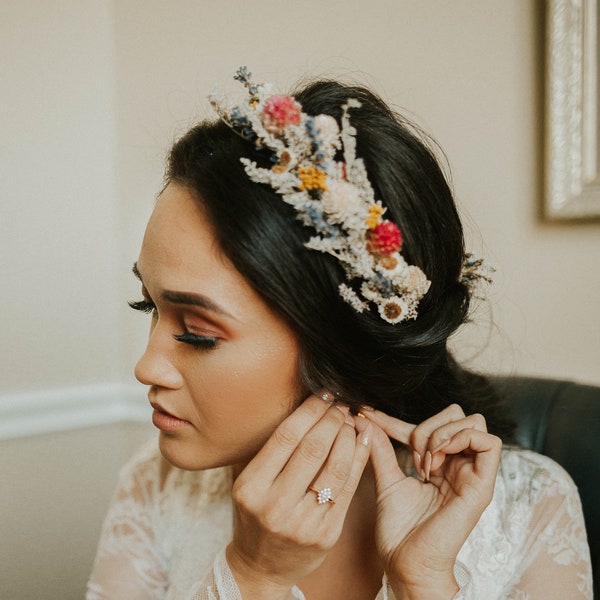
column 187, row 298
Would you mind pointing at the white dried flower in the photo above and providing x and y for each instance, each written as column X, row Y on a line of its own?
column 394, row 309
column 328, row 133
column 416, row 282
column 351, row 297
column 393, row 267
column 341, row 201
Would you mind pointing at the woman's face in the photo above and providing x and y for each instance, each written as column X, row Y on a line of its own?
column 221, row 366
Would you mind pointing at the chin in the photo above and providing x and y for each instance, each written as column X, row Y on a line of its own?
column 198, row 457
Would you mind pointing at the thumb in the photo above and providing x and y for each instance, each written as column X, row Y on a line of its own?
column 384, row 461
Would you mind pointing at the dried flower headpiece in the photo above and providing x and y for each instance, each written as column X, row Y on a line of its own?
column 475, row 271
column 333, row 197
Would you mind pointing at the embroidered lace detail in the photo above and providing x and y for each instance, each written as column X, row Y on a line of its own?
column 535, row 518
column 162, row 531
column 165, row 534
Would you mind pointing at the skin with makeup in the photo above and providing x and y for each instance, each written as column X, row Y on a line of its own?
column 361, row 455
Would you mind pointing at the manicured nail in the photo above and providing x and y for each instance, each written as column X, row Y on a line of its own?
column 417, row 461
column 326, row 396
column 365, row 435
column 366, row 408
column 427, row 465
column 343, row 408
column 349, row 420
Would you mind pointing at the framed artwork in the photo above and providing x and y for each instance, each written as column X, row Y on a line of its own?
column 572, row 108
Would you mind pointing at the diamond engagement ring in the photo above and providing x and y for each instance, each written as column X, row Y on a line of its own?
column 323, row 495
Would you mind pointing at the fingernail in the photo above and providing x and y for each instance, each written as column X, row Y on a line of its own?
column 365, row 435
column 440, row 446
column 326, row 396
column 343, row 408
column 349, row 420
column 417, row 461
column 427, row 465
column 366, row 408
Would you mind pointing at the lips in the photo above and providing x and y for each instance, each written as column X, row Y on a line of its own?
column 165, row 421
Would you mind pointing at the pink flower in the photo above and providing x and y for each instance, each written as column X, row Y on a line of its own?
column 279, row 112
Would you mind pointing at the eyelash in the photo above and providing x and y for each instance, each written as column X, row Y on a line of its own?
column 143, row 306
column 197, row 341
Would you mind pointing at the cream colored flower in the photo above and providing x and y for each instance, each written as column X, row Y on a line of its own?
column 393, row 310
column 341, row 201
column 327, row 127
column 417, row 282
column 393, row 267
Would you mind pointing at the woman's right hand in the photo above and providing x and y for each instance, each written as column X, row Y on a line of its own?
column 281, row 533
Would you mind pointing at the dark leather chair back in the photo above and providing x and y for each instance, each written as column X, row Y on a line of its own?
column 561, row 419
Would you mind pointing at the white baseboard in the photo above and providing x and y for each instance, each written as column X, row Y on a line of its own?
column 35, row 413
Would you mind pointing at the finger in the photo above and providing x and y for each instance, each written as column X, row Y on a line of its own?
column 442, row 436
column 486, row 451
column 419, row 437
column 471, row 481
column 313, row 450
column 336, row 474
column 395, row 428
column 273, row 456
column 361, row 457
column 384, row 461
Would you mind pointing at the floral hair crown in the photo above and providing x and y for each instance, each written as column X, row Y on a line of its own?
column 333, row 197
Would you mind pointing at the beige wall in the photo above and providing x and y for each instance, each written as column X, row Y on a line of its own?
column 93, row 92
column 59, row 244
column 54, row 494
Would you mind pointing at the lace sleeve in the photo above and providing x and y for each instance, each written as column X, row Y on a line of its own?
column 221, row 585
column 556, row 559
column 463, row 578
column 128, row 564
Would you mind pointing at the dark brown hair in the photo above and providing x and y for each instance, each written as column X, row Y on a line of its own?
column 406, row 369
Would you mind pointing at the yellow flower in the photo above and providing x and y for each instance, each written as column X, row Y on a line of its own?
column 312, row 178
column 375, row 212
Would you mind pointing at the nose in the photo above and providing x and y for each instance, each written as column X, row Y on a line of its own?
column 154, row 368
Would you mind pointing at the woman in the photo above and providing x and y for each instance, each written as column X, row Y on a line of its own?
column 304, row 267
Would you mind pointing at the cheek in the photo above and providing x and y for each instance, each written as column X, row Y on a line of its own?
column 270, row 370
column 249, row 387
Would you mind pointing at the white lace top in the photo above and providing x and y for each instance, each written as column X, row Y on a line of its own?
column 166, row 530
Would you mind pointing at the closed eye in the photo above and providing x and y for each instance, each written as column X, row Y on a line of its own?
column 201, row 342
column 198, row 341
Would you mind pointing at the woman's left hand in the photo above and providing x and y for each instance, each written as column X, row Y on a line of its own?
column 422, row 525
